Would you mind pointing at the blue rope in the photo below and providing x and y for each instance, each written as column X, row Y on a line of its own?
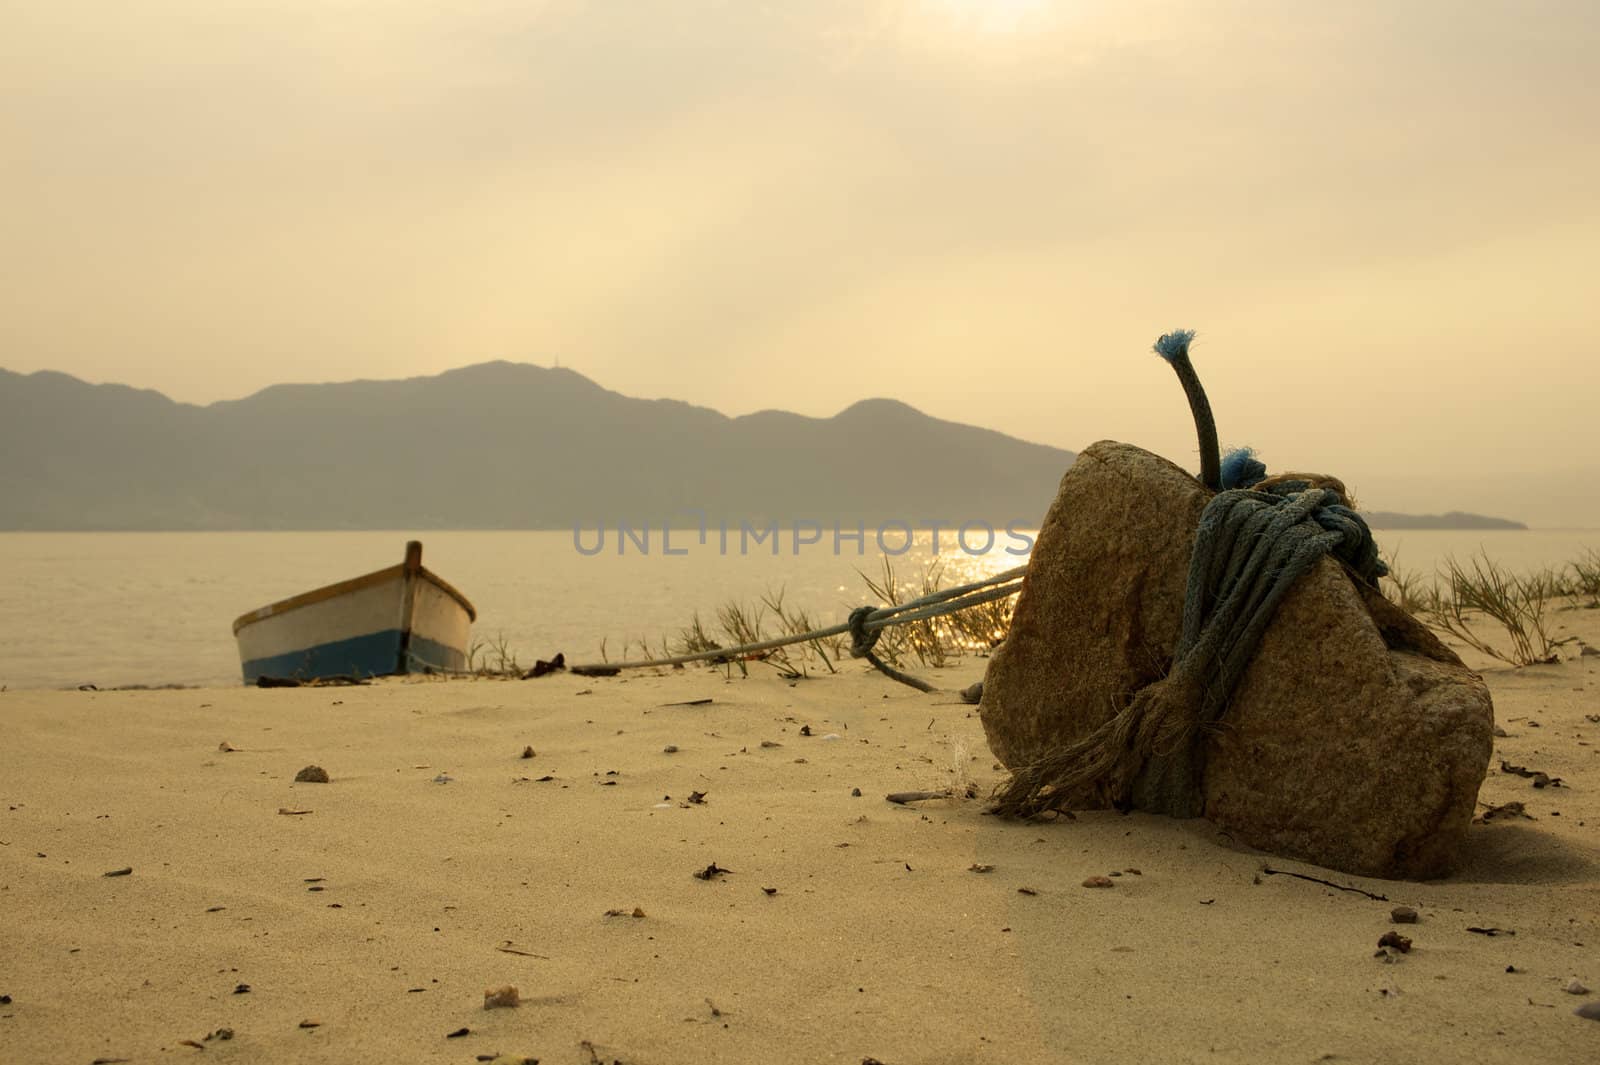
column 1241, row 468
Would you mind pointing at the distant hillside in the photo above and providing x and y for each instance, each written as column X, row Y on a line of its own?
column 493, row 446
column 1455, row 519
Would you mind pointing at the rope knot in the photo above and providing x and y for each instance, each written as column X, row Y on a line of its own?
column 861, row 641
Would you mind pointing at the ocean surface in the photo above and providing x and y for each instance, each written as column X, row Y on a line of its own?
column 116, row 609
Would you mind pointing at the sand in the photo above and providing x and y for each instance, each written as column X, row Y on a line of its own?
column 438, row 864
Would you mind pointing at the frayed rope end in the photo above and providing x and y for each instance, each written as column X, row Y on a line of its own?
column 1174, row 344
column 1241, row 468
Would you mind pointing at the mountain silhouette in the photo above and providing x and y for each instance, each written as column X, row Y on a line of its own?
column 494, row 446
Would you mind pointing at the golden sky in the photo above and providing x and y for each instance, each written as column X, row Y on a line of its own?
column 1381, row 217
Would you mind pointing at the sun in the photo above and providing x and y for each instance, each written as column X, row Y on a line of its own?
column 992, row 16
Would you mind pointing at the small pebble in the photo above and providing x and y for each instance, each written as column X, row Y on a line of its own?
column 1403, row 915
column 527, row 752
column 311, row 774
column 1395, row 940
column 1575, row 987
column 855, row 793
column 501, row 997
column 671, row 748
column 226, row 748
column 1589, row 1011
column 311, row 1022
column 1098, row 881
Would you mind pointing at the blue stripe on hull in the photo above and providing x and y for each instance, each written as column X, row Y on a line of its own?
column 373, row 655
column 427, row 655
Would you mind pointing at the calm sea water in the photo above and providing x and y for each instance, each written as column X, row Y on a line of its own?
column 155, row 608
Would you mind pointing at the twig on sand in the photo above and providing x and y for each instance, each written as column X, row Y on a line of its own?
column 521, row 953
column 1325, row 883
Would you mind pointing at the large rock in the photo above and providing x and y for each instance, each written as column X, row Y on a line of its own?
column 1355, row 739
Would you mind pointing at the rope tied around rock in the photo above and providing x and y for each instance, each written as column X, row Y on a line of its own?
column 1250, row 547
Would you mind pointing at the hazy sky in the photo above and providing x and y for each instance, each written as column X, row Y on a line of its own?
column 1383, row 218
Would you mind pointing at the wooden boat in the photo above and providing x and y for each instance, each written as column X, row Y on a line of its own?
column 403, row 619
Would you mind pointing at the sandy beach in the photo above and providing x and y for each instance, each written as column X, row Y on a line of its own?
column 364, row 919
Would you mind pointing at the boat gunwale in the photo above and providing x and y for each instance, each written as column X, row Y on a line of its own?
column 345, row 587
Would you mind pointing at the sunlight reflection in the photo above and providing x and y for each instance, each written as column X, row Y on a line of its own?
column 990, row 16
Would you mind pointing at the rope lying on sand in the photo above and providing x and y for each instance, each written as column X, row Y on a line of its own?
column 864, row 627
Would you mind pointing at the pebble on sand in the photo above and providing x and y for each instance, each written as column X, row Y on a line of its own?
column 1099, row 881
column 500, row 997
column 1403, row 915
column 1395, row 940
column 311, row 774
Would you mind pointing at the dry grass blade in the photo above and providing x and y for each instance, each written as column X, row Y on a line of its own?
column 1583, row 577
column 1518, row 603
column 1407, row 589
column 493, row 658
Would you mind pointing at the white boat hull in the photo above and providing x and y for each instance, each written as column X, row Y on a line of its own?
column 399, row 620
